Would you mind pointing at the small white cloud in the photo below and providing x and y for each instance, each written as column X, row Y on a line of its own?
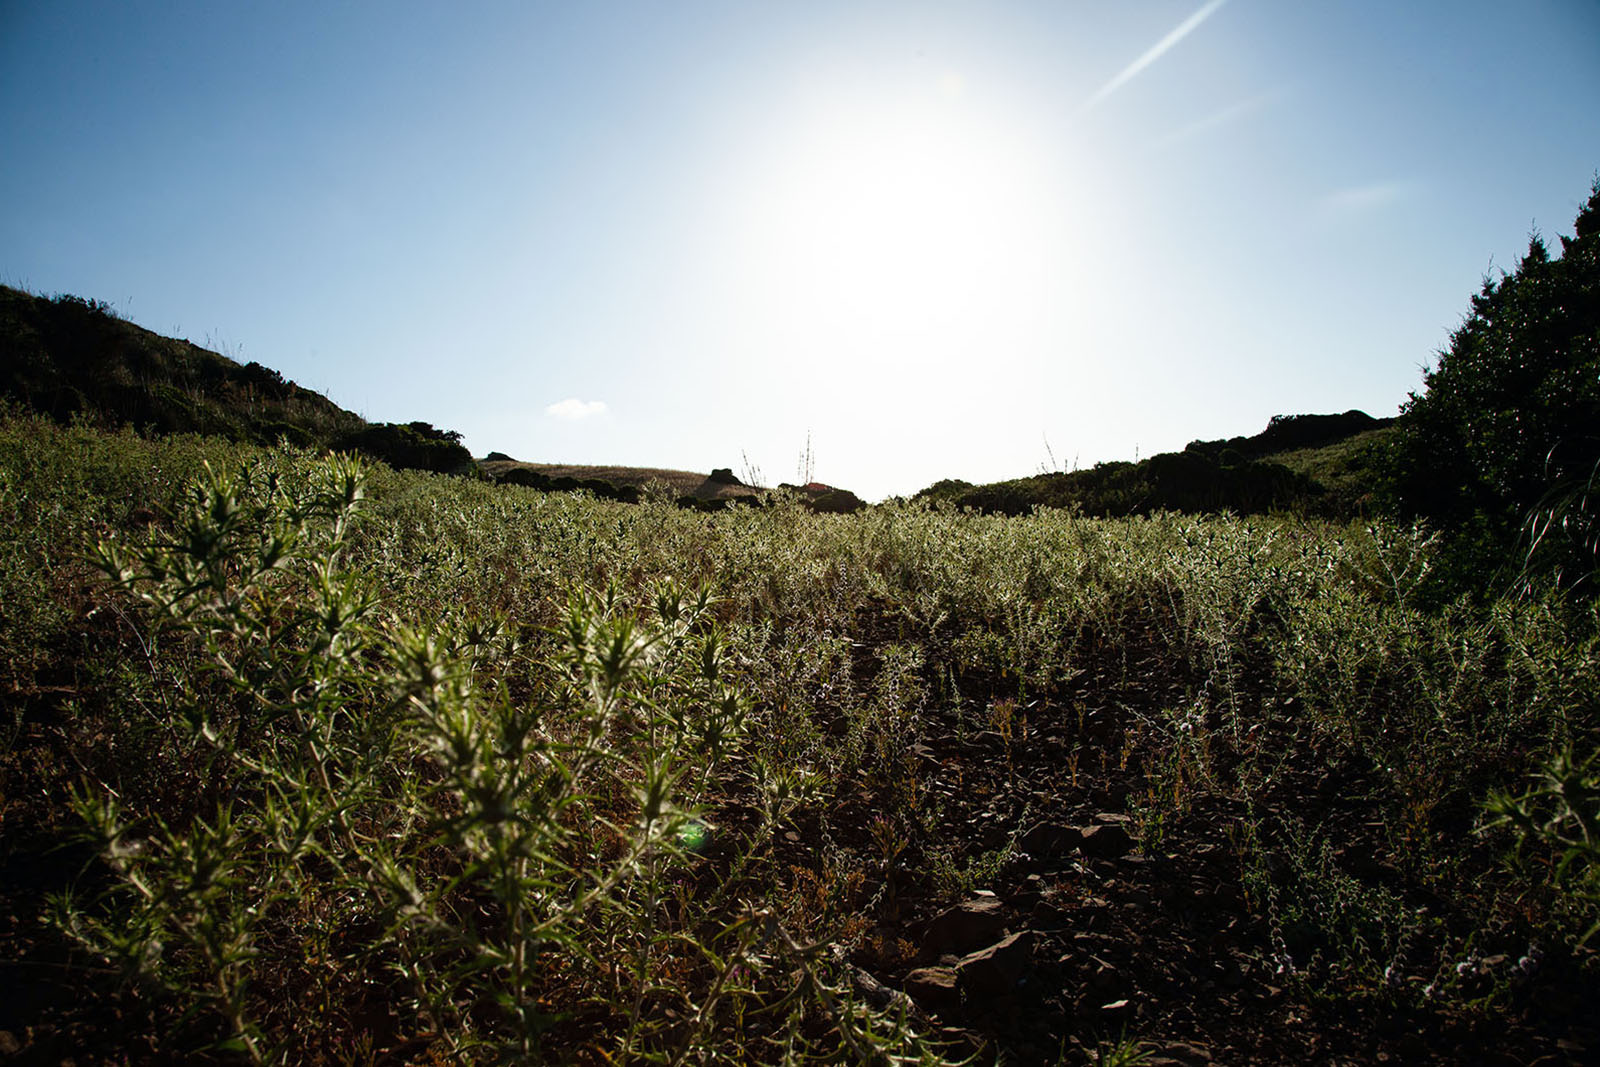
column 572, row 409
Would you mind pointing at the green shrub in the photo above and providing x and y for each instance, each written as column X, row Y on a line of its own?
column 1507, row 425
column 412, row 446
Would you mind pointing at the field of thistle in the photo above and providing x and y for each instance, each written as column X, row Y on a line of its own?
column 309, row 762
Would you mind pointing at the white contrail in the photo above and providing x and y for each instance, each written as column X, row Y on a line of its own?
column 1161, row 48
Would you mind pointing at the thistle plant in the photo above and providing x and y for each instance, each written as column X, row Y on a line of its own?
column 493, row 825
column 1561, row 812
column 401, row 767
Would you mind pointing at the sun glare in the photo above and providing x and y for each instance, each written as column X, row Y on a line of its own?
column 899, row 228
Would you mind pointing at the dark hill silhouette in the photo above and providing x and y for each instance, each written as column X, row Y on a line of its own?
column 1288, row 433
column 1322, row 464
column 71, row 358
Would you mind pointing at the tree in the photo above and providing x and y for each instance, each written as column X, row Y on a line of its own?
column 1505, row 435
column 412, row 446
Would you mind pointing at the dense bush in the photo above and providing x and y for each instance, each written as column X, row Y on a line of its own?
column 544, row 483
column 412, row 446
column 492, row 828
column 1500, row 447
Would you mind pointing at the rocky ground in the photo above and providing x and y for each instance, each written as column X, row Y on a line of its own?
column 1087, row 937
column 1095, row 926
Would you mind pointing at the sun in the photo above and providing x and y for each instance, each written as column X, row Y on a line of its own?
column 899, row 226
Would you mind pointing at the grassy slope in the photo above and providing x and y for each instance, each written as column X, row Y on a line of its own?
column 1348, row 470
column 1321, row 464
column 934, row 705
column 69, row 358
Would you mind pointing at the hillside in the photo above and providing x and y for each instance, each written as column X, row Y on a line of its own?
column 71, row 358
column 1320, row 464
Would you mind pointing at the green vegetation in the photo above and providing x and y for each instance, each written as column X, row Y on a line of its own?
column 71, row 358
column 307, row 760
column 1323, row 465
column 411, row 766
column 1503, row 443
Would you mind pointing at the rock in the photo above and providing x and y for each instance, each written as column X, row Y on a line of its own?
column 935, row 989
column 835, row 502
column 1050, row 839
column 498, row 457
column 724, row 476
column 964, row 927
column 994, row 972
column 1185, row 1053
column 1027, row 894
column 1047, row 914
column 1105, row 841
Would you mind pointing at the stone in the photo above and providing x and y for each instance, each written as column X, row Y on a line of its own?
column 964, row 927
column 995, row 972
column 934, row 988
column 1105, row 841
column 1049, row 839
column 1027, row 894
column 1186, row 1053
column 724, row 476
column 1047, row 914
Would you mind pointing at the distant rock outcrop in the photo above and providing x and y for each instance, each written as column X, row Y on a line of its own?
column 723, row 476
column 544, row 483
column 827, row 499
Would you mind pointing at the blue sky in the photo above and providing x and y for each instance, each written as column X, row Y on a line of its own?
column 942, row 239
